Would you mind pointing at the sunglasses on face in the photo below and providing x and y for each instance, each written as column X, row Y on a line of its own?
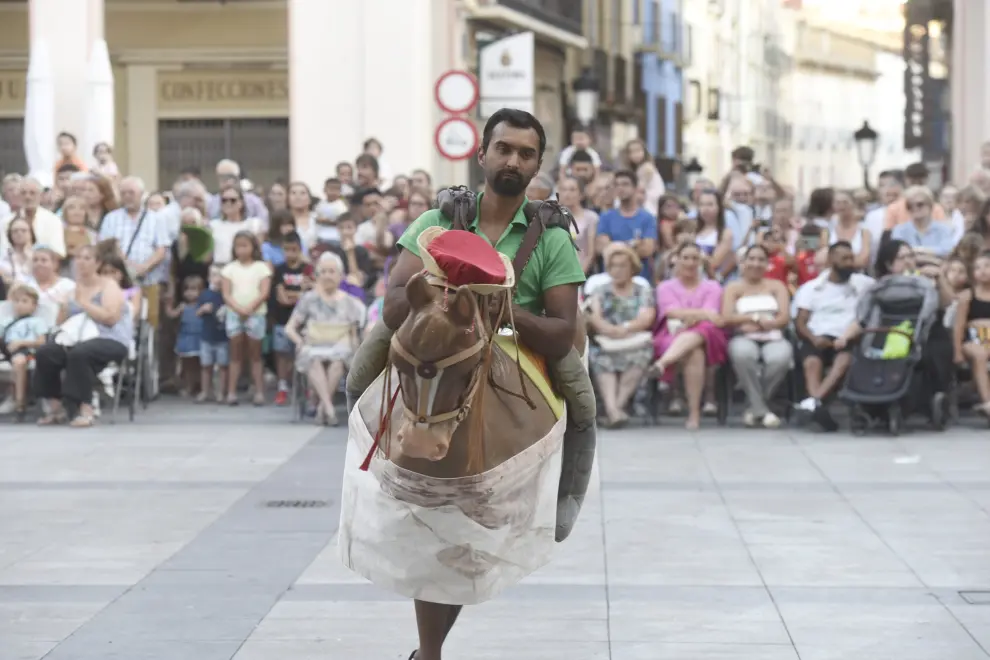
column 230, row 200
column 917, row 205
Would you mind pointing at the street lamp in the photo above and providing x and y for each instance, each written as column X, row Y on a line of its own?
column 866, row 149
column 586, row 93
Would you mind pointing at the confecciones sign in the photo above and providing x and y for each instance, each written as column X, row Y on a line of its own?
column 916, row 87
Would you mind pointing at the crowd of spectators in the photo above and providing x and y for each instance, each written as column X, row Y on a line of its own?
column 739, row 275
column 246, row 284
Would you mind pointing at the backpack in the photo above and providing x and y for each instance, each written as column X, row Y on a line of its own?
column 460, row 205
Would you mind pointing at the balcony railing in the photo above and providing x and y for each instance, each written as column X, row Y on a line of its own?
column 565, row 14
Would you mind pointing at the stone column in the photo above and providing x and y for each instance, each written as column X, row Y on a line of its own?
column 359, row 69
column 69, row 28
column 970, row 85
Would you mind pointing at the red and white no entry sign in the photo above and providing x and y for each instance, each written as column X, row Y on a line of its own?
column 456, row 92
column 456, row 138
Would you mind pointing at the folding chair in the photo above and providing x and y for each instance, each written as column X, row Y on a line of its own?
column 298, row 396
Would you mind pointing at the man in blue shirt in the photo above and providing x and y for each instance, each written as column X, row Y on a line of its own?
column 630, row 223
column 923, row 232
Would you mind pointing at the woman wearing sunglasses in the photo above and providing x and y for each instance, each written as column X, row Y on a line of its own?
column 923, row 232
column 232, row 220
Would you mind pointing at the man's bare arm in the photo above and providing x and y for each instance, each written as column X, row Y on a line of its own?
column 396, row 307
column 552, row 336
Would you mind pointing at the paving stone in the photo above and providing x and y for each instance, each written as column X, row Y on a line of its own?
column 151, row 541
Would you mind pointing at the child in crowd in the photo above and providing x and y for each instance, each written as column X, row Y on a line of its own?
column 282, row 224
column 326, row 230
column 21, row 336
column 156, row 202
column 290, row 280
column 187, row 342
column 105, row 165
column 246, row 288
column 77, row 233
column 113, row 266
column 375, row 310
column 780, row 265
column 957, row 279
column 809, row 243
column 214, row 350
column 971, row 332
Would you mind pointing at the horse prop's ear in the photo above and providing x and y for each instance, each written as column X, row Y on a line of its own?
column 419, row 292
column 463, row 307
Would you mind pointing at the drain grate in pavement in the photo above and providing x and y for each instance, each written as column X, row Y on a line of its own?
column 297, row 504
column 976, row 597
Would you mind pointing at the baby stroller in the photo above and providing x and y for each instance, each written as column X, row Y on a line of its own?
column 881, row 386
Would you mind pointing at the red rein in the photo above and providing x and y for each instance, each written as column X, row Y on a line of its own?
column 384, row 424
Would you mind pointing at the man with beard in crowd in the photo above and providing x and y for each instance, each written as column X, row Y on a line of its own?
column 544, row 305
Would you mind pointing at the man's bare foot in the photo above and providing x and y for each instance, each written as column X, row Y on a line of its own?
column 692, row 423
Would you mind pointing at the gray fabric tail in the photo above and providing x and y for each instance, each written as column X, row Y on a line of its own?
column 575, row 474
column 580, row 439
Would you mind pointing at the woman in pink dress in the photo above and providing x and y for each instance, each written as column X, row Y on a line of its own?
column 689, row 330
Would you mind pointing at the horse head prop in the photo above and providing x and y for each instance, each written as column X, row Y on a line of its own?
column 443, row 350
column 439, row 353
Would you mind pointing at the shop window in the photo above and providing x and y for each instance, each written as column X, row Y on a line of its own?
column 260, row 146
column 12, row 157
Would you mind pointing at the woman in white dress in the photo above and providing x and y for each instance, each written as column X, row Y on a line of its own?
column 232, row 220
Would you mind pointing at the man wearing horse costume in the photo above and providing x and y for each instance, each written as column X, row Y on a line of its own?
column 463, row 491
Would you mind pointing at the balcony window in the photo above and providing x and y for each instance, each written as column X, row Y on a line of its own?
column 565, row 14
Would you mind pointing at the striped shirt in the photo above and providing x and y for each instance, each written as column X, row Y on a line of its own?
column 152, row 234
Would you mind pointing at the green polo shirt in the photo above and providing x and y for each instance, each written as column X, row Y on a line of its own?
column 554, row 261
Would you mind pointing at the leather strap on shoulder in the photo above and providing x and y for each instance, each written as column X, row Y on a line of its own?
column 530, row 240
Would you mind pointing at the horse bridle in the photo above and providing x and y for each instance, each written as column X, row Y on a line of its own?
column 431, row 373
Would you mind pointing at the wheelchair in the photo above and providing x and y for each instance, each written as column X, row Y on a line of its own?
column 299, row 397
column 137, row 374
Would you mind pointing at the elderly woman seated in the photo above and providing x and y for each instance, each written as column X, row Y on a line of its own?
column 689, row 327
column 621, row 313
column 325, row 327
column 99, row 332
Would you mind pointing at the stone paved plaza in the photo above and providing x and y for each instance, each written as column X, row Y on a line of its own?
column 152, row 541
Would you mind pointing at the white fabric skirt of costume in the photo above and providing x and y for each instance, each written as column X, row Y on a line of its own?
column 452, row 541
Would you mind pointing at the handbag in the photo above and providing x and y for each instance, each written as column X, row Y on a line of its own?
column 75, row 330
column 326, row 333
column 633, row 342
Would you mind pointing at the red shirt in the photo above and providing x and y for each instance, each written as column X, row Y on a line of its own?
column 777, row 267
column 806, row 268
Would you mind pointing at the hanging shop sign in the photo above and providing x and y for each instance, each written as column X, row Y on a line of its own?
column 916, row 85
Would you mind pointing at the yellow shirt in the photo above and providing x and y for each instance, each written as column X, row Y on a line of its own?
column 245, row 282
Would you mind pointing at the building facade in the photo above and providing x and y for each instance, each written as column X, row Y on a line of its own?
column 968, row 23
column 279, row 85
column 738, row 82
column 667, row 47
